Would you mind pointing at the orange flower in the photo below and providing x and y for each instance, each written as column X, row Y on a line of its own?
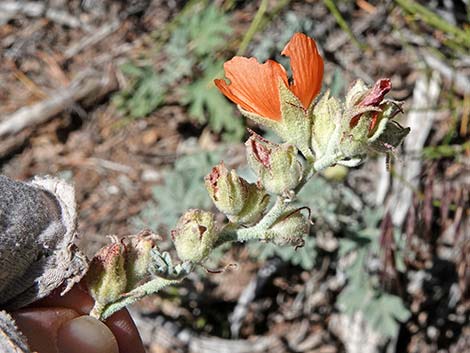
column 255, row 87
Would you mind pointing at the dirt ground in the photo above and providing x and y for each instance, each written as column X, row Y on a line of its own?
column 50, row 49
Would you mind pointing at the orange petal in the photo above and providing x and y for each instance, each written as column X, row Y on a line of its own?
column 254, row 86
column 307, row 67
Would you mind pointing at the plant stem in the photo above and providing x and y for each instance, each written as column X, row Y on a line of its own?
column 231, row 233
column 253, row 27
column 330, row 4
column 150, row 287
column 258, row 231
column 435, row 20
column 259, row 22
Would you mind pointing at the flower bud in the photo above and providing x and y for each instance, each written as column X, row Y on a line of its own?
column 195, row 235
column 242, row 202
column 326, row 126
column 227, row 190
column 255, row 205
column 277, row 166
column 368, row 114
column 106, row 277
column 296, row 125
column 138, row 257
column 373, row 97
column 291, row 229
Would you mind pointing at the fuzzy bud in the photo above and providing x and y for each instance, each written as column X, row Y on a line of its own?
column 106, row 277
column 195, row 235
column 227, row 190
column 374, row 97
column 343, row 134
column 277, row 166
column 291, row 229
column 326, row 125
column 368, row 114
column 138, row 257
column 241, row 201
column 255, row 205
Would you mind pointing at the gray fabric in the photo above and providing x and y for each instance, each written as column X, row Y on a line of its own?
column 28, row 217
column 37, row 254
column 37, row 229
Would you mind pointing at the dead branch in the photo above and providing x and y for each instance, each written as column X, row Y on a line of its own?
column 89, row 84
column 93, row 39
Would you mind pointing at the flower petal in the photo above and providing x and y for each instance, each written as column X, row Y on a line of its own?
column 254, row 86
column 377, row 93
column 307, row 67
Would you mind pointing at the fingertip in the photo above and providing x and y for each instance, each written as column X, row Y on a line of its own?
column 86, row 334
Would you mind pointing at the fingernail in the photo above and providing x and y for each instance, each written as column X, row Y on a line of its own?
column 86, row 334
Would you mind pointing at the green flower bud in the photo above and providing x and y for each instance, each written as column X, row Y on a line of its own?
column 344, row 135
column 138, row 257
column 255, row 206
column 106, row 277
column 326, row 126
column 277, row 166
column 291, row 229
column 195, row 235
column 296, row 125
column 368, row 113
column 355, row 94
column 353, row 143
column 242, row 202
column 227, row 190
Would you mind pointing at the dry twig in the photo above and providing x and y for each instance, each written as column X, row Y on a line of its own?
column 91, row 83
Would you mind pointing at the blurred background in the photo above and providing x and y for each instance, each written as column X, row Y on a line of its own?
column 117, row 98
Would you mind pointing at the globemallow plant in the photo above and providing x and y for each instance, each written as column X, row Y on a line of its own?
column 317, row 133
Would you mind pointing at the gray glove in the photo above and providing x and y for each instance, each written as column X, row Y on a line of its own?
column 37, row 254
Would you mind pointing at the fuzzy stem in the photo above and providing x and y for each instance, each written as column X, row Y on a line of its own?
column 327, row 161
column 97, row 310
column 258, row 231
column 148, row 288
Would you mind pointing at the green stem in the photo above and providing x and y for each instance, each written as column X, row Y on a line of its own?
column 327, row 161
column 148, row 288
column 435, row 20
column 259, row 22
column 253, row 27
column 274, row 213
column 330, row 4
column 97, row 310
column 258, row 231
